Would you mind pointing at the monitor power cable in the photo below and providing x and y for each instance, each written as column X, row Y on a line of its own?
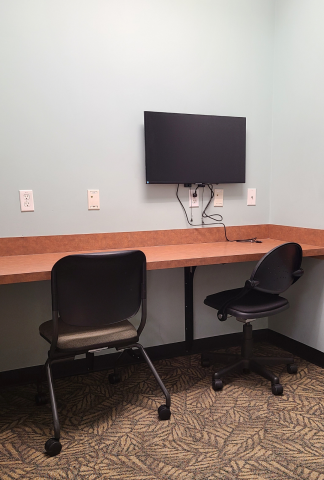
column 216, row 218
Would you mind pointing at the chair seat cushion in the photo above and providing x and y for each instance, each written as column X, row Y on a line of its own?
column 71, row 337
column 254, row 304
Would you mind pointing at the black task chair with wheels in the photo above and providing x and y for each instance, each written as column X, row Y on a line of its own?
column 93, row 297
column 275, row 273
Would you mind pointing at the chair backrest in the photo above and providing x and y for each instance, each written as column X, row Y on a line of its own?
column 275, row 271
column 99, row 288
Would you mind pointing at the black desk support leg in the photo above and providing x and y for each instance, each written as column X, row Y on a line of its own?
column 189, row 274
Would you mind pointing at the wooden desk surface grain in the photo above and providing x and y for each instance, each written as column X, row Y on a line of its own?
column 37, row 267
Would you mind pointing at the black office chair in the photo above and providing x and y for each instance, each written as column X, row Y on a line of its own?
column 275, row 272
column 93, row 296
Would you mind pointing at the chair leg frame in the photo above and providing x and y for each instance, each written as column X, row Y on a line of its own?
column 116, row 363
column 49, row 375
column 156, row 375
column 56, row 422
column 247, row 360
column 90, row 360
column 233, row 367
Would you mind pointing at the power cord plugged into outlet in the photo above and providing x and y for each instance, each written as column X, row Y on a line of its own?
column 217, row 218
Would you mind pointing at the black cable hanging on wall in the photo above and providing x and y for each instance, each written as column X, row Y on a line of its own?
column 216, row 218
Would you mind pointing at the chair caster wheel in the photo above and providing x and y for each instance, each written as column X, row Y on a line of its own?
column 53, row 447
column 217, row 384
column 292, row 368
column 40, row 399
column 205, row 362
column 114, row 378
column 277, row 389
column 164, row 412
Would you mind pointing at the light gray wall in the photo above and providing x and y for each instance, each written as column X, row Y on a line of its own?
column 297, row 193
column 75, row 79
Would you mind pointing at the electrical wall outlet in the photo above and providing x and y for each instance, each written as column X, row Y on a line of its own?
column 193, row 201
column 26, row 200
column 93, row 200
column 219, row 197
column 251, row 196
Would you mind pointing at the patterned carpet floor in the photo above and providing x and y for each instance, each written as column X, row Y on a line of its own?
column 113, row 431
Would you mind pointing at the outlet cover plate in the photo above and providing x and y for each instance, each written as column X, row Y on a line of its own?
column 93, row 200
column 193, row 201
column 219, row 197
column 251, row 196
column 26, row 201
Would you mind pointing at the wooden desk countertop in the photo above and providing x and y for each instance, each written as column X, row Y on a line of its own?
column 37, row 267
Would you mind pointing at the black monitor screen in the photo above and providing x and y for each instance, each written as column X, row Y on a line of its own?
column 185, row 148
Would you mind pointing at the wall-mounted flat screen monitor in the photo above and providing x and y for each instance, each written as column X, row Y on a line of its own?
column 186, row 148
